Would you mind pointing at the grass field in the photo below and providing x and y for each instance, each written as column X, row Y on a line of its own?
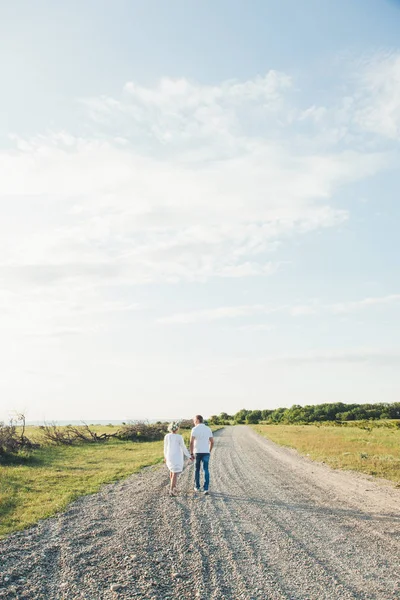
column 374, row 451
column 37, row 485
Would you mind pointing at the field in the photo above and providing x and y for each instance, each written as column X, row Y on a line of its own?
column 37, row 485
column 371, row 450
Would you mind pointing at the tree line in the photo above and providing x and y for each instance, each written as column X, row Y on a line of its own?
column 336, row 412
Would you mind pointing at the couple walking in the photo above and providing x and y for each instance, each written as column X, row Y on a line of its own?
column 201, row 444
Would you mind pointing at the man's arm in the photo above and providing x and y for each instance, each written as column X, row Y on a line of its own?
column 191, row 447
column 211, row 440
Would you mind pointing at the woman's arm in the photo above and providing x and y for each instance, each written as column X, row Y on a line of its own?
column 165, row 446
column 185, row 450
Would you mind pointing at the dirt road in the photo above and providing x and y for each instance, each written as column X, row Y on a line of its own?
column 275, row 526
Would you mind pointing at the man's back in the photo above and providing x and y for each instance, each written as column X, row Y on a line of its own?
column 201, row 434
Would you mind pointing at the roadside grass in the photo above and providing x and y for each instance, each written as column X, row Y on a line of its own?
column 37, row 485
column 40, row 483
column 374, row 451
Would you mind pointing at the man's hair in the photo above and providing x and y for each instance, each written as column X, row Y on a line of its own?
column 199, row 418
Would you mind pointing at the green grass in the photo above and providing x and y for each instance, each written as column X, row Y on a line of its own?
column 375, row 451
column 38, row 485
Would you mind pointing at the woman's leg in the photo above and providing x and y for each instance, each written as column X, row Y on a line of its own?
column 173, row 481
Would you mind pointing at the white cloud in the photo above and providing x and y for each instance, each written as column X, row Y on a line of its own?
column 379, row 98
column 216, row 314
column 298, row 311
column 345, row 307
column 356, row 355
column 257, row 327
column 178, row 182
column 178, row 112
column 302, row 310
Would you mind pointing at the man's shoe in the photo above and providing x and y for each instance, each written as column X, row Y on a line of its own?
column 196, row 489
column 206, row 492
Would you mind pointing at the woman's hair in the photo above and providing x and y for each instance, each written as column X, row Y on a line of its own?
column 173, row 427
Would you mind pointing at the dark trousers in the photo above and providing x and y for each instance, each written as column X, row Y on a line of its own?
column 202, row 457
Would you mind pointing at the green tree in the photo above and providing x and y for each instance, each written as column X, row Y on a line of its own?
column 253, row 417
column 214, row 420
column 240, row 416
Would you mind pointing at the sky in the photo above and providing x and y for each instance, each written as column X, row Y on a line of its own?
column 199, row 206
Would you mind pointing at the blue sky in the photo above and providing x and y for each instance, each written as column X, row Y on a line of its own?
column 198, row 206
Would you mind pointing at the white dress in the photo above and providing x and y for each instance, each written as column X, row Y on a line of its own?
column 174, row 451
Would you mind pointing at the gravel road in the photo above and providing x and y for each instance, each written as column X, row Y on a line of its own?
column 275, row 526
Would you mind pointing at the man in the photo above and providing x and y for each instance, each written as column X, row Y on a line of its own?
column 201, row 444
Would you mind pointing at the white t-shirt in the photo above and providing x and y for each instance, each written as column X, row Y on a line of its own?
column 201, row 434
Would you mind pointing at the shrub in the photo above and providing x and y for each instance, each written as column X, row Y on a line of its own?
column 69, row 435
column 214, row 420
column 140, row 431
column 253, row 417
column 186, row 424
column 11, row 441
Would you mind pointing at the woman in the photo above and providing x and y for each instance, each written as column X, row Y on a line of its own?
column 174, row 453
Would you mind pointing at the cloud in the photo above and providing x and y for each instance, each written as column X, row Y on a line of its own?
column 298, row 311
column 108, row 214
column 216, row 314
column 378, row 108
column 302, row 310
column 346, row 307
column 181, row 113
column 352, row 356
column 61, row 332
column 179, row 181
column 257, row 327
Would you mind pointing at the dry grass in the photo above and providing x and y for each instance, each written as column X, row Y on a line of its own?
column 375, row 451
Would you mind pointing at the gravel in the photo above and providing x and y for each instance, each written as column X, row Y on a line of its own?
column 275, row 526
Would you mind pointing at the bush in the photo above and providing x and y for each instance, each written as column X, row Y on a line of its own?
column 186, row 424
column 214, row 420
column 241, row 415
column 140, row 431
column 11, row 441
column 69, row 435
column 253, row 417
